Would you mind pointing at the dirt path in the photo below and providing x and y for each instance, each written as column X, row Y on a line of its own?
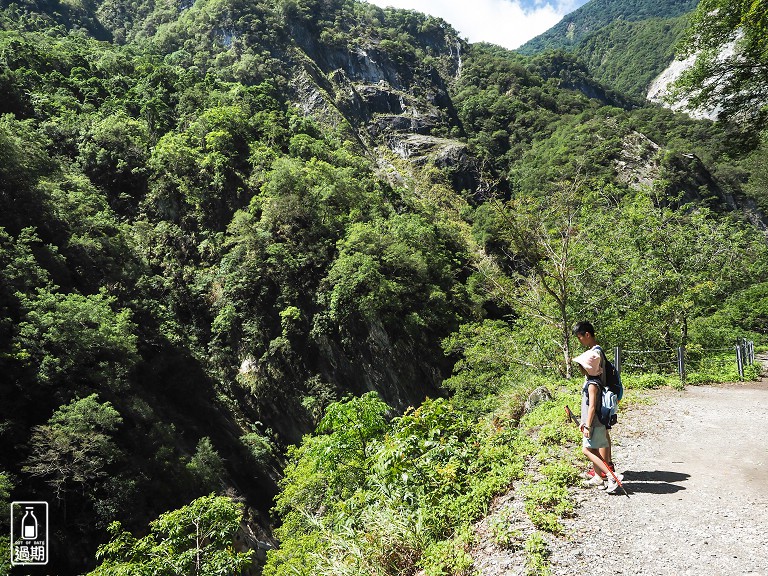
column 696, row 467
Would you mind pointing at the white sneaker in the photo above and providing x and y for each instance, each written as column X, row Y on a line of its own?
column 612, row 487
column 594, row 481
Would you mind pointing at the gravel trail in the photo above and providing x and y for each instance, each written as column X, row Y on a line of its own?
column 696, row 468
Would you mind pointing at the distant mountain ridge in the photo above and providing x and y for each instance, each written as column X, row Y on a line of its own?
column 624, row 45
column 594, row 15
column 533, row 5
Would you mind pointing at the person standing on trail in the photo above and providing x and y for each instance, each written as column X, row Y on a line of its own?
column 596, row 443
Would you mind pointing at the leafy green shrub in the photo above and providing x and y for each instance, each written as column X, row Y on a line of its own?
column 434, row 456
column 646, row 381
column 382, row 541
column 720, row 368
column 484, row 363
column 74, row 339
column 75, row 448
column 752, row 371
column 260, row 446
column 195, row 539
column 450, row 557
column 554, row 434
column 502, row 532
column 323, row 483
column 545, row 503
column 550, row 421
column 552, row 412
column 560, row 474
column 537, row 556
column 401, row 498
column 723, row 373
column 206, row 465
column 398, row 269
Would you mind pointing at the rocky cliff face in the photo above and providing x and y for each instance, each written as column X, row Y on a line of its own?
column 392, row 108
column 403, row 106
column 660, row 90
column 681, row 178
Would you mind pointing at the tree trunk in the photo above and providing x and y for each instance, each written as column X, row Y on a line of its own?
column 566, row 346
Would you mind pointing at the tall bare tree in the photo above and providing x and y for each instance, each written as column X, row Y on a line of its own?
column 544, row 251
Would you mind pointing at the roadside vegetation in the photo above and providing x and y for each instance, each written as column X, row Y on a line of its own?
column 397, row 496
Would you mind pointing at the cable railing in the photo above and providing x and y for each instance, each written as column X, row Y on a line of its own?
column 679, row 360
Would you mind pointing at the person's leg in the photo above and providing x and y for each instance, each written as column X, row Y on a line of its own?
column 605, row 453
column 594, row 456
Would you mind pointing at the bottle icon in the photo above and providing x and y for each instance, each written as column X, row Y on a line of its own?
column 29, row 524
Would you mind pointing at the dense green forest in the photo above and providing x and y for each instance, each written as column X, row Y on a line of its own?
column 283, row 272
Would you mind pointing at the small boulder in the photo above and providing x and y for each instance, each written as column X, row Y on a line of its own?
column 539, row 395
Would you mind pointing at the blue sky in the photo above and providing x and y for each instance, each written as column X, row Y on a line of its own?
column 505, row 22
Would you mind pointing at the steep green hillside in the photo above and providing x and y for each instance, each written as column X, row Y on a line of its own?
column 628, row 56
column 624, row 45
column 224, row 223
column 596, row 14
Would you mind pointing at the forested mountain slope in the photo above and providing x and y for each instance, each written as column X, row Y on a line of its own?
column 625, row 45
column 628, row 56
column 219, row 218
column 596, row 14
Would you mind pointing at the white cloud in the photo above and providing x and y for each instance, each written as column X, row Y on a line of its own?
column 502, row 22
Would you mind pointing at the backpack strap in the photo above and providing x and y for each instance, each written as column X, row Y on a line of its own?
column 590, row 381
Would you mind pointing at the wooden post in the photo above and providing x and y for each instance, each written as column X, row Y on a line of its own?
column 617, row 359
column 681, row 364
column 739, row 361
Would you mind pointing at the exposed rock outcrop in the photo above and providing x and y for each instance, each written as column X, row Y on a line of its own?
column 638, row 164
column 659, row 91
column 384, row 100
column 451, row 155
column 538, row 396
column 661, row 88
column 644, row 163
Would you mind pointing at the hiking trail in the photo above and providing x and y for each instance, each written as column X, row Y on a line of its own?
column 695, row 464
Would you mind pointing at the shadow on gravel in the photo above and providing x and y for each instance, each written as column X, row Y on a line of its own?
column 654, row 482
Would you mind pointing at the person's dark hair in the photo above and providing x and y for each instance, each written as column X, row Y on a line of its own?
column 583, row 327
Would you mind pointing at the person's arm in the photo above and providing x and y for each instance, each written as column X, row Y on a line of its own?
column 586, row 428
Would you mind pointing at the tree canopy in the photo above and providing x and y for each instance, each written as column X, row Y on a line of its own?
column 729, row 41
